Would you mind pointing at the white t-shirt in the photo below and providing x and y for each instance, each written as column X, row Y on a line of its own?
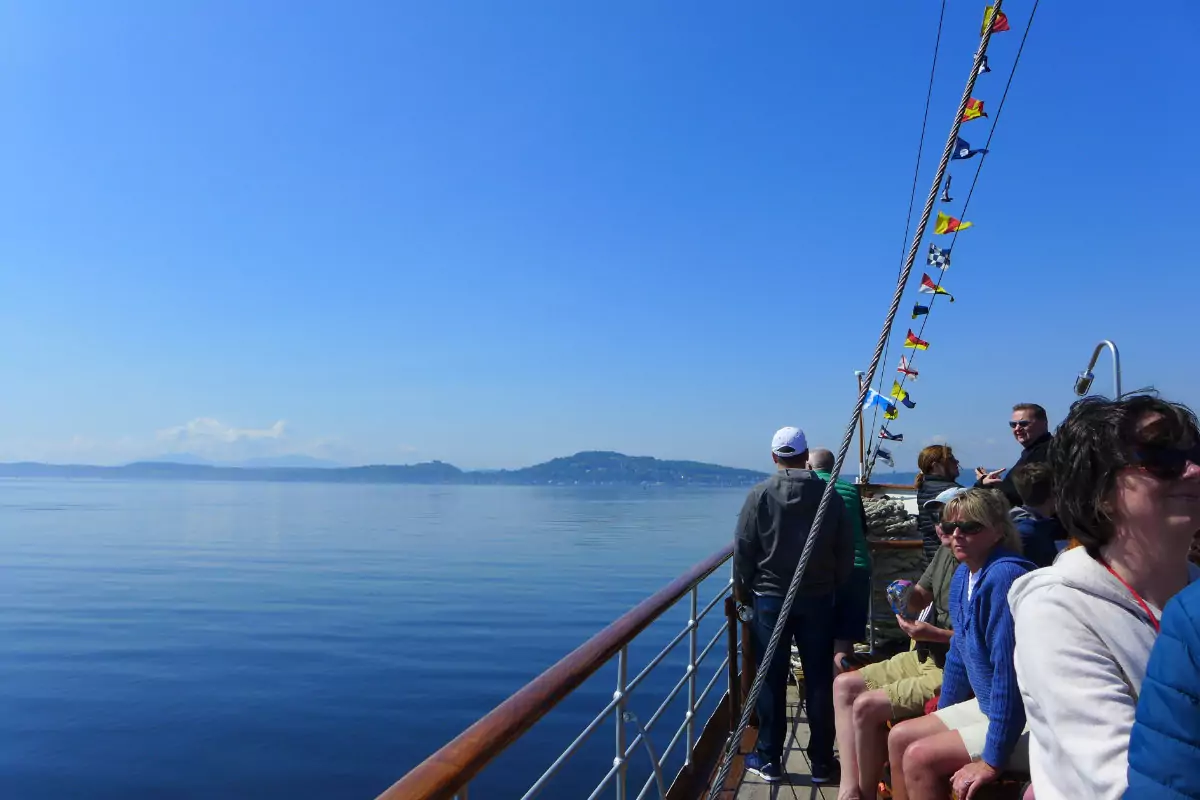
column 972, row 579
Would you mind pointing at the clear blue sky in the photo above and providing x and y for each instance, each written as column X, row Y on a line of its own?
column 494, row 233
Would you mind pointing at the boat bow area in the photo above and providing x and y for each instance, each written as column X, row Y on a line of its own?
column 672, row 753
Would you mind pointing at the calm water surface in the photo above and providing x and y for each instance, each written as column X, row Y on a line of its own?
column 282, row 640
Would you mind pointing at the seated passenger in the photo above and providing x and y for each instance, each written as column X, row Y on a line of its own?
column 898, row 688
column 1128, row 491
column 1035, row 518
column 969, row 740
column 1164, row 749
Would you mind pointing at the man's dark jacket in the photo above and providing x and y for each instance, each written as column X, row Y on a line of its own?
column 1037, row 451
column 773, row 527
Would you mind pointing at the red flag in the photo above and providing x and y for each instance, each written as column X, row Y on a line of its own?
column 974, row 110
column 998, row 19
column 912, row 341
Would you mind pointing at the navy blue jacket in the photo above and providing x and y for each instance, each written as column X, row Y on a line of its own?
column 1164, row 749
column 980, row 660
column 1038, row 535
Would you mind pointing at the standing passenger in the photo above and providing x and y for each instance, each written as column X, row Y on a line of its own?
column 1128, row 490
column 772, row 529
column 938, row 473
column 852, row 604
column 1031, row 429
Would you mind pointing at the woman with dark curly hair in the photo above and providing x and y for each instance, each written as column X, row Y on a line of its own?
column 1127, row 484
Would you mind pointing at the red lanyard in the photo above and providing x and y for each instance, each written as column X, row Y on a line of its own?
column 1145, row 606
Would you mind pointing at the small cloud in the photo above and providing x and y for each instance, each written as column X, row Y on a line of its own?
column 211, row 438
column 989, row 442
column 938, row 438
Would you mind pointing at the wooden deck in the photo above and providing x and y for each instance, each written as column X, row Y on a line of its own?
column 796, row 784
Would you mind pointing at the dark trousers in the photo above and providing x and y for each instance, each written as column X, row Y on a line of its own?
column 811, row 626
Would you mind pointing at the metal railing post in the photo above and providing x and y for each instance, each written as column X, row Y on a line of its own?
column 735, row 700
column 619, row 696
column 461, row 794
column 693, row 634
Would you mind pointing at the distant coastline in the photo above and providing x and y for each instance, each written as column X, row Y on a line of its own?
column 581, row 469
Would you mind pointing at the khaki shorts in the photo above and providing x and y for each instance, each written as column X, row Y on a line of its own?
column 909, row 682
column 972, row 725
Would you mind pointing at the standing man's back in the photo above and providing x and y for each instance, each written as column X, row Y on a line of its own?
column 772, row 529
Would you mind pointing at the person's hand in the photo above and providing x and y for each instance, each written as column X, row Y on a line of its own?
column 966, row 781
column 992, row 478
column 916, row 630
column 980, row 473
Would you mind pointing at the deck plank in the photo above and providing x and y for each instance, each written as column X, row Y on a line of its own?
column 796, row 783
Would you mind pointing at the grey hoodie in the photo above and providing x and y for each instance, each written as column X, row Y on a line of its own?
column 773, row 527
column 1082, row 647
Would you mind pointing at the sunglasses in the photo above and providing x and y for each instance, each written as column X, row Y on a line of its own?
column 1166, row 463
column 1020, row 423
column 967, row 528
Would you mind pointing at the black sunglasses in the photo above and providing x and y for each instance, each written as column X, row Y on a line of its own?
column 1166, row 463
column 967, row 528
column 1020, row 423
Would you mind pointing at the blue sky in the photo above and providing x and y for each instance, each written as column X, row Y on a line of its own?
column 494, row 233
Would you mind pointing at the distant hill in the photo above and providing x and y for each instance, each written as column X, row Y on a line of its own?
column 588, row 468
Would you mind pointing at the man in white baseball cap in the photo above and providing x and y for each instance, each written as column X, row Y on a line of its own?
column 776, row 520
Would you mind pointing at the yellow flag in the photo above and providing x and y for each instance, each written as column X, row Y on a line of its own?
column 948, row 224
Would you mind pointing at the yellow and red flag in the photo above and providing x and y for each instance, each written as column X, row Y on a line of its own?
column 948, row 224
column 974, row 110
column 912, row 341
column 998, row 20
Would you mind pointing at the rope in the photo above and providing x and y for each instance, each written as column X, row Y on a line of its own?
column 912, row 197
column 966, row 203
column 811, row 540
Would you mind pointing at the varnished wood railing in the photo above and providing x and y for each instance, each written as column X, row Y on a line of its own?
column 445, row 773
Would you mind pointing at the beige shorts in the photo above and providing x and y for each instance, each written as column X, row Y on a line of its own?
column 909, row 682
column 972, row 725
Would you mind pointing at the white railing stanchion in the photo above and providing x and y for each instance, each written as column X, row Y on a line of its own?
column 619, row 696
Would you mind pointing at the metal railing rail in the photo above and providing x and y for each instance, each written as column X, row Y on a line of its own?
column 447, row 773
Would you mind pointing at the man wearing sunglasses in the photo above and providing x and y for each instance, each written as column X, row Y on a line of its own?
column 1031, row 428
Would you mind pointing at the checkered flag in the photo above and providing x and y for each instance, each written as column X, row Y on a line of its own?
column 938, row 257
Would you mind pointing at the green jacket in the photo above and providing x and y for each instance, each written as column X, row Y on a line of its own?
column 858, row 519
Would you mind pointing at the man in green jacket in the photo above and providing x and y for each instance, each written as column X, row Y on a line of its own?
column 852, row 603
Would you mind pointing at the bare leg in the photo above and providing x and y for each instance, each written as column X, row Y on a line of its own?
column 900, row 739
column 930, row 763
column 847, row 688
column 872, row 710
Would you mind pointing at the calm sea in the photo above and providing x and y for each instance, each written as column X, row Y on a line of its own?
column 180, row 640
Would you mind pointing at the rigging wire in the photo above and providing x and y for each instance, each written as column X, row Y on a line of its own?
column 731, row 746
column 967, row 202
column 912, row 196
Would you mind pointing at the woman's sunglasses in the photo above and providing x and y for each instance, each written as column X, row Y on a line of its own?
column 967, row 528
column 1166, row 463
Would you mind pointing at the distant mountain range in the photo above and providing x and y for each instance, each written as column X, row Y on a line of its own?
column 589, row 468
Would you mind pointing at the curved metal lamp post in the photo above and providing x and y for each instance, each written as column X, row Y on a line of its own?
column 1084, row 382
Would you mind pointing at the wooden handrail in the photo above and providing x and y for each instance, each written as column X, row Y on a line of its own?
column 452, row 767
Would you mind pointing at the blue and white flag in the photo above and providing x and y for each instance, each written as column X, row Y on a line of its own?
column 962, row 149
column 884, row 456
column 877, row 400
column 888, row 436
column 938, row 257
column 983, row 67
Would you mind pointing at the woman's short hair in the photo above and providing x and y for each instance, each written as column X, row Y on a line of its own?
column 1092, row 445
column 929, row 458
column 988, row 506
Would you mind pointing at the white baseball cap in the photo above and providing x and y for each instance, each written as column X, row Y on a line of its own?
column 945, row 497
column 788, row 442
